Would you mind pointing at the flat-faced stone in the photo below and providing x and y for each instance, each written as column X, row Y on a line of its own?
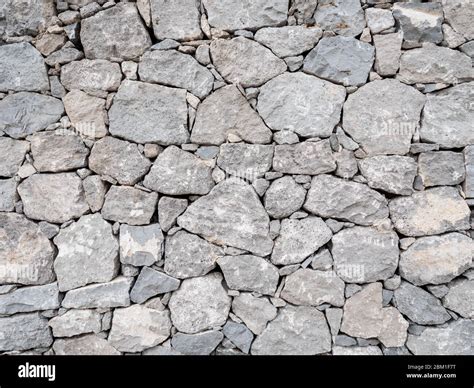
column 13, row 152
column 244, row 61
column 173, row 68
column 289, row 41
column 239, row 335
column 178, row 20
column 91, row 75
column 55, row 198
column 243, row 14
column 459, row 14
column 460, row 298
column 187, row 255
column 169, row 209
column 200, row 303
column 177, row 172
column 437, row 259
column 226, row 112
column 332, row 197
column 95, row 189
column 356, row 351
column 88, row 253
column 364, row 254
column 254, row 312
column 76, row 322
column 24, row 331
column 201, row 344
column 151, row 283
column 119, row 160
column 344, row 17
column 24, row 113
column 441, row 168
column 433, row 211
column 388, row 49
column 231, row 214
column 57, row 152
column 22, row 68
column 301, row 103
column 117, row 34
column 133, row 118
column 249, row 273
column 382, row 116
column 393, row 174
column 295, row 331
column 137, row 328
column 394, row 328
column 299, row 239
column 341, row 59
column 141, row 245
column 28, row 299
column 8, row 194
column 448, row 116
column 379, row 19
column 284, row 197
column 129, row 205
column 87, row 345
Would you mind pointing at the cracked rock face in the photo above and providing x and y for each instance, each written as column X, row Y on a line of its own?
column 236, row 177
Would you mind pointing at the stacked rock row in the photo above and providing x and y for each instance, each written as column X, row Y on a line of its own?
column 236, row 177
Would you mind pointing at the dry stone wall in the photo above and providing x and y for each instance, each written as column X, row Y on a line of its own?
column 236, row 177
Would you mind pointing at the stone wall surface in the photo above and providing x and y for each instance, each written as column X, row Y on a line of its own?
column 227, row 177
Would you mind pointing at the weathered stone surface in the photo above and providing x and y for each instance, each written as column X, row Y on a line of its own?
column 299, row 239
column 137, row 328
column 187, row 255
column 197, row 344
column 419, row 22
column 13, row 152
column 356, row 351
column 437, row 259
column 119, row 160
column 331, row 197
column 394, row 328
column 341, row 59
column 22, row 68
column 284, row 197
column 129, row 205
column 393, row 174
column 28, row 299
column 254, row 312
column 91, row 75
column 433, row 211
column 26, row 254
column 226, row 112
column 344, row 17
column 249, row 273
column 88, row 345
column 382, row 116
column 177, row 172
column 419, row 305
column 76, row 322
column 431, row 64
column 460, row 298
column 200, row 303
column 459, row 15
column 239, row 335
column 133, row 118
column 20, row 19
column 309, row 158
column 151, row 283
column 230, row 214
column 8, row 194
column 95, row 189
column 169, row 209
column 179, row 20
column 295, row 331
column 87, row 113
column 55, row 198
column 246, row 161
column 388, row 49
column 468, row 186
column 24, row 331
column 172, row 68
column 56, row 151
column 363, row 315
column 455, row 339
column 242, row 14
column 24, row 113
column 103, row 295
column 364, row 254
column 379, row 19
column 448, row 116
column 289, row 41
column 301, row 103
column 116, row 34
column 140, row 245
column 244, row 61
column 313, row 288
column 441, row 168
column 88, row 253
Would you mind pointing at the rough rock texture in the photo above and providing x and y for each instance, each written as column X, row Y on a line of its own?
column 344, row 17
column 91, row 75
